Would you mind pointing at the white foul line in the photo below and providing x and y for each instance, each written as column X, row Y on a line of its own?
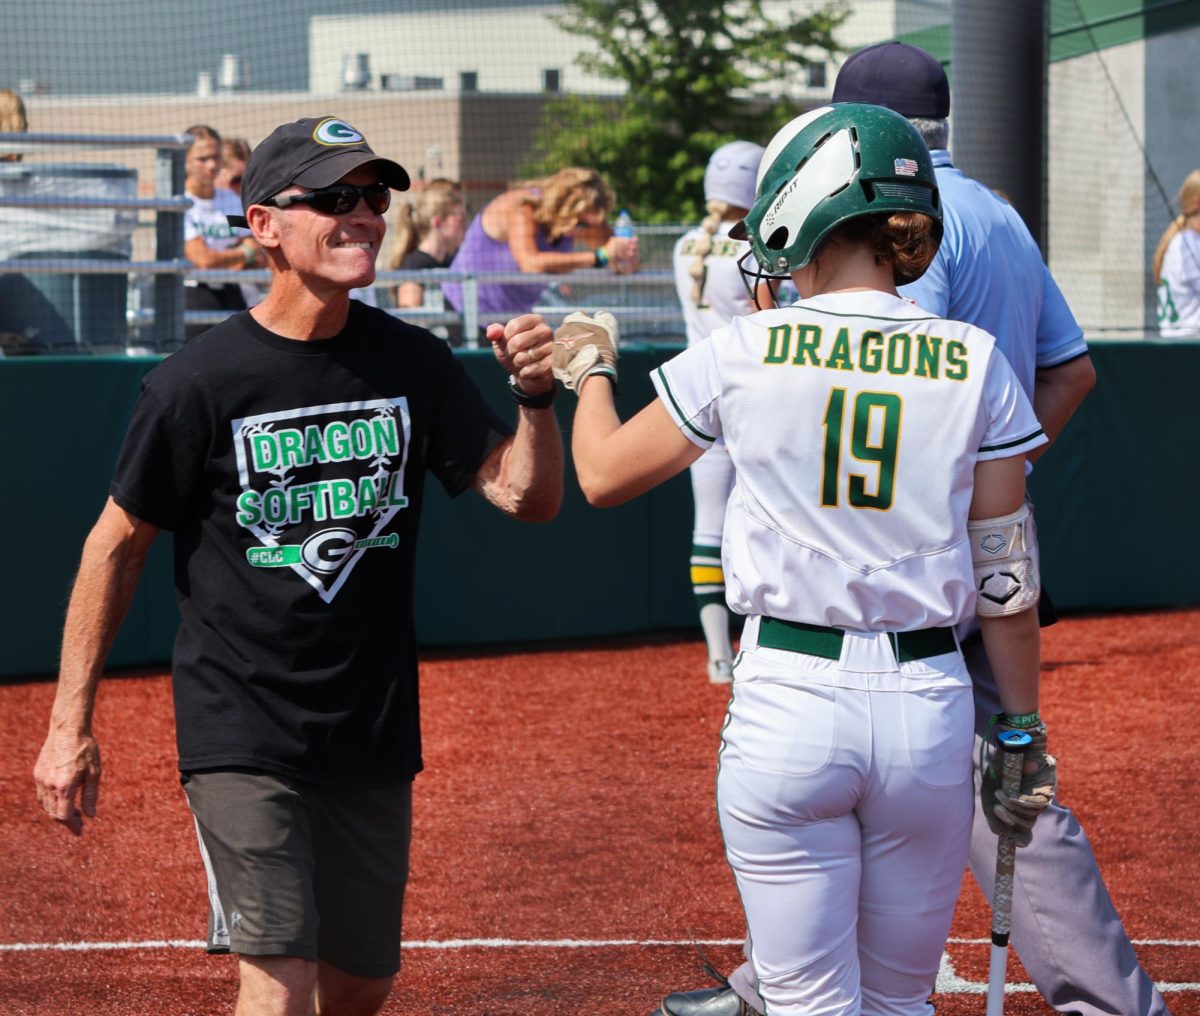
column 452, row 943
column 948, row 981
column 483, row 943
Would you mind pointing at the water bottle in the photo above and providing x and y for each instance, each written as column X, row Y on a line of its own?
column 624, row 226
column 623, row 229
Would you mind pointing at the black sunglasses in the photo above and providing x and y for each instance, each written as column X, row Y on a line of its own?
column 338, row 199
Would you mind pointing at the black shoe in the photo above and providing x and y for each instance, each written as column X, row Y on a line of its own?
column 723, row 1001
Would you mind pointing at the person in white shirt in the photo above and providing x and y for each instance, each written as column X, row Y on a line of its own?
column 711, row 294
column 208, row 239
column 1177, row 266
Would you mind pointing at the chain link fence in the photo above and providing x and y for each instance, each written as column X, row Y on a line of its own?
column 90, row 246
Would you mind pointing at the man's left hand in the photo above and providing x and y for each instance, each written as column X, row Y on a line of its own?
column 523, row 347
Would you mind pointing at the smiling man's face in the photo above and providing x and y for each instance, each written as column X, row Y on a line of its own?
column 338, row 249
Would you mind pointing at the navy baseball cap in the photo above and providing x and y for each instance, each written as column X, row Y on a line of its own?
column 314, row 152
column 901, row 77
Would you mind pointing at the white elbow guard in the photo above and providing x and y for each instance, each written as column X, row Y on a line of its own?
column 1005, row 555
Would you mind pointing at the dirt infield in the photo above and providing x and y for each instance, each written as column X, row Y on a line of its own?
column 566, row 852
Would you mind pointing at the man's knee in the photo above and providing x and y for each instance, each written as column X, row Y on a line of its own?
column 343, row 994
column 275, row 986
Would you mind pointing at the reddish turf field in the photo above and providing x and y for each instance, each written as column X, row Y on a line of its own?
column 566, row 849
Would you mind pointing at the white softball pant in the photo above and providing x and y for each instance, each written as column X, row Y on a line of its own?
column 845, row 797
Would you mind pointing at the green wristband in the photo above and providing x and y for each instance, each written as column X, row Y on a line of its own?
column 1022, row 721
column 601, row 257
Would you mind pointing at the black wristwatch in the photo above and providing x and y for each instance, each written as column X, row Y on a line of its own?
column 523, row 398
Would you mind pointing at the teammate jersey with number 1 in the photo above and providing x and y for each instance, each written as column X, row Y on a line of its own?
column 854, row 421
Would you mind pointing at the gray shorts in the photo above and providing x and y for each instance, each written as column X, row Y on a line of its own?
column 296, row 869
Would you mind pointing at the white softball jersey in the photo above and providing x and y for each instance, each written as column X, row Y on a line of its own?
column 854, row 421
column 723, row 294
column 1179, row 291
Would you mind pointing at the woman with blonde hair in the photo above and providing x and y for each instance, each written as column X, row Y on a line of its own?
column 12, row 119
column 533, row 227
column 429, row 232
column 1177, row 266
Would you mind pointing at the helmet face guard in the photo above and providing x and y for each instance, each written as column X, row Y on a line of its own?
column 833, row 164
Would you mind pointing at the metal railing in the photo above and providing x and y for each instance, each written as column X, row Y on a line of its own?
column 168, row 204
column 156, row 318
column 645, row 301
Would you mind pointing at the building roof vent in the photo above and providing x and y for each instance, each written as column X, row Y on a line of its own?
column 356, row 72
column 232, row 76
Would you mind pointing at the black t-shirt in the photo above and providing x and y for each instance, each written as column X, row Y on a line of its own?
column 416, row 260
column 291, row 474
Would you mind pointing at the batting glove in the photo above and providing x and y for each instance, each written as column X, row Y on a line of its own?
column 584, row 346
column 1014, row 816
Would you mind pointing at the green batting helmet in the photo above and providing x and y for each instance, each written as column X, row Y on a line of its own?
column 833, row 164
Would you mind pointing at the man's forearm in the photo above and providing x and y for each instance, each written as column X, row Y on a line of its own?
column 535, row 466
column 524, row 476
column 113, row 558
column 1057, row 393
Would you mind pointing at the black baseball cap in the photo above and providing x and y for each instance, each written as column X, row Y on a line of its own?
column 901, row 77
column 314, row 152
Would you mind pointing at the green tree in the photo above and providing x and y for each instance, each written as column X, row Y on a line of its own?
column 698, row 73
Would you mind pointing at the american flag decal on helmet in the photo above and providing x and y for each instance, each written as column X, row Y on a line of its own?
column 905, row 167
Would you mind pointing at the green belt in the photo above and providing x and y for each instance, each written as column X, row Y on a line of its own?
column 817, row 640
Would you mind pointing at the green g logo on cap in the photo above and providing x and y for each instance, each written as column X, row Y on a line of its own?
column 336, row 132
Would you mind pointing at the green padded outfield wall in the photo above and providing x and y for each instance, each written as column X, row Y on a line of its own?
column 1114, row 504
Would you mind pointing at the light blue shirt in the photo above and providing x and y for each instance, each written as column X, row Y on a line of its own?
column 989, row 272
